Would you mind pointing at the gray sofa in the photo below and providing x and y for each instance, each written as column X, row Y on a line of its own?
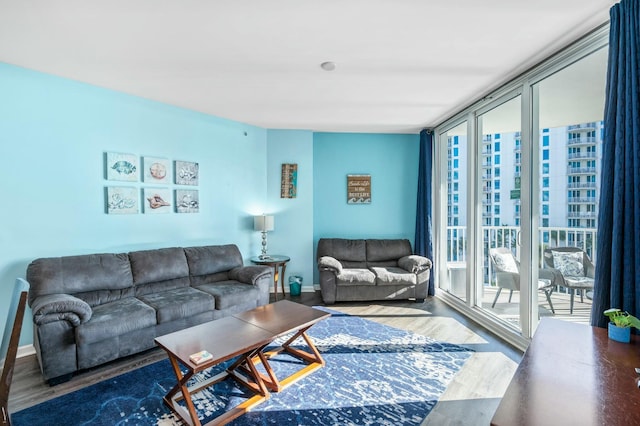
column 91, row 309
column 363, row 270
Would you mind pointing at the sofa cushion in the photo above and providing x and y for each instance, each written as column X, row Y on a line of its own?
column 75, row 274
column 330, row 263
column 212, row 259
column 355, row 276
column 569, row 263
column 230, row 293
column 393, row 276
column 165, row 264
column 414, row 263
column 344, row 250
column 178, row 303
column 114, row 319
column 387, row 250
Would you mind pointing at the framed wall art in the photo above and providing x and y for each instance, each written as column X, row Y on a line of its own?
column 358, row 189
column 289, row 181
column 156, row 170
column 187, row 201
column 157, row 200
column 122, row 167
column 186, row 173
column 121, row 200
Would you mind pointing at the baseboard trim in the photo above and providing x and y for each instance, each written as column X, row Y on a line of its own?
column 26, row 350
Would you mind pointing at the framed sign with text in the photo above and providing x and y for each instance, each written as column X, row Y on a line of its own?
column 358, row 189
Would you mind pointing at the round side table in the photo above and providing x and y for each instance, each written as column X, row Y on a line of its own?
column 279, row 265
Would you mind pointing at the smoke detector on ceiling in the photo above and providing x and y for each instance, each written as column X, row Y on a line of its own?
column 328, row 66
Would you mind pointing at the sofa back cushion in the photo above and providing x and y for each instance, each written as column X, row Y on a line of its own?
column 95, row 278
column 159, row 270
column 386, row 252
column 212, row 263
column 350, row 253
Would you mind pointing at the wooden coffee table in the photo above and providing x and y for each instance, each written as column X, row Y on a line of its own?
column 281, row 318
column 245, row 336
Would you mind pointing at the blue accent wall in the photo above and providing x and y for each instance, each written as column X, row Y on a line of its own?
column 53, row 136
column 392, row 162
column 293, row 217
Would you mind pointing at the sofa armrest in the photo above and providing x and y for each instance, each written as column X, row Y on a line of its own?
column 328, row 263
column 60, row 307
column 250, row 274
column 414, row 263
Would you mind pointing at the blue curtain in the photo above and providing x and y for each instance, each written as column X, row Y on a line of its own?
column 617, row 278
column 424, row 228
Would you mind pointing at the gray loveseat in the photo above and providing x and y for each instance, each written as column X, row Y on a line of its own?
column 361, row 270
column 91, row 309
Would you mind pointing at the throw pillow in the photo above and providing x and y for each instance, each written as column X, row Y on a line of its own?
column 505, row 262
column 569, row 264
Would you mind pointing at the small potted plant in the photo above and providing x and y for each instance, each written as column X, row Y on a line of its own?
column 620, row 323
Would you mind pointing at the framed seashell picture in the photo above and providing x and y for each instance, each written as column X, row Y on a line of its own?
column 187, row 201
column 157, row 200
column 121, row 199
column 186, row 173
column 156, row 170
column 122, row 167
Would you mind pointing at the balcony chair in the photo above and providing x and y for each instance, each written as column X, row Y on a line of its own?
column 572, row 268
column 507, row 270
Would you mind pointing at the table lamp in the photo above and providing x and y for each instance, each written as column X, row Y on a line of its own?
column 263, row 224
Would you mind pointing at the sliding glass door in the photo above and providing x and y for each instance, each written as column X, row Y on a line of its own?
column 518, row 177
column 500, row 167
column 570, row 129
column 455, row 140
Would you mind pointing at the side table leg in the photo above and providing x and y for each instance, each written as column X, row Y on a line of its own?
column 275, row 282
column 284, row 267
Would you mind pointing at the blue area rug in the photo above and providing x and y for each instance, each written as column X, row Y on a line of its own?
column 374, row 375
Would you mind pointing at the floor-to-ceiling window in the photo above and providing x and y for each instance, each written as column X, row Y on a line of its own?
column 519, row 177
column 570, row 129
column 499, row 147
column 455, row 141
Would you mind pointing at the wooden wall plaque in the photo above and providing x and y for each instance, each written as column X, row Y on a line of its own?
column 358, row 189
column 289, row 181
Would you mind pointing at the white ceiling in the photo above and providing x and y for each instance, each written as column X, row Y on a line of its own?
column 401, row 65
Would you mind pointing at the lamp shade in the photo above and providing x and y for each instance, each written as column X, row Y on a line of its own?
column 263, row 223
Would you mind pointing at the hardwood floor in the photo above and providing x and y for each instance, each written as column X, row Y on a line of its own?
column 471, row 398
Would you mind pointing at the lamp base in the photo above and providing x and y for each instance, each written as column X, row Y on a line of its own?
column 264, row 254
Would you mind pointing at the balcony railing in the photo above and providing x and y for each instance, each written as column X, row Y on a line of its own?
column 579, row 185
column 583, row 126
column 581, row 200
column 584, row 215
column 578, row 155
column 581, row 170
column 581, row 140
column 508, row 236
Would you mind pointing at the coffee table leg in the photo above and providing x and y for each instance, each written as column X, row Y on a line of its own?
column 313, row 358
column 181, row 387
column 181, row 391
column 245, row 364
